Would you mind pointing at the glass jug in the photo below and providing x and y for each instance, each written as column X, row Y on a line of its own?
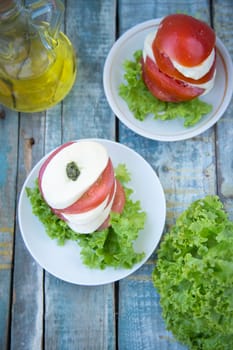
column 37, row 61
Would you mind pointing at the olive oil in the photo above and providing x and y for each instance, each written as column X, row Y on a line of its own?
column 40, row 78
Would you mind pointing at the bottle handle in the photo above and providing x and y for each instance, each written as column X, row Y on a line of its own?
column 47, row 13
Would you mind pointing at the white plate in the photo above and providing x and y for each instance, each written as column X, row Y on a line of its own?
column 64, row 262
column 173, row 130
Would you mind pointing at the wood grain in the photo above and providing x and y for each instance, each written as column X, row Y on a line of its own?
column 39, row 311
column 77, row 316
column 8, row 175
column 91, row 27
column 223, row 25
column 186, row 170
column 27, row 303
column 79, row 312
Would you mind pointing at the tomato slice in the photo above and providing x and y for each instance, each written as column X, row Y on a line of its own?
column 95, row 194
column 184, row 39
column 165, row 65
column 154, row 89
column 119, row 199
column 117, row 206
column 112, row 192
column 166, row 88
column 58, row 213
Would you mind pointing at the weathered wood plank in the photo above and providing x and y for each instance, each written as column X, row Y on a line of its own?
column 8, row 162
column 76, row 316
column 141, row 325
column 133, row 12
column 91, row 27
column 187, row 172
column 47, row 312
column 27, row 303
column 84, row 113
column 27, row 324
column 222, row 21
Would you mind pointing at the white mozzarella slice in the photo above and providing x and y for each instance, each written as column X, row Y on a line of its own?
column 58, row 189
column 147, row 49
column 88, row 215
column 207, row 86
column 195, row 72
column 92, row 226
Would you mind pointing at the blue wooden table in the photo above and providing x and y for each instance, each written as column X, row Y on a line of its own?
column 39, row 311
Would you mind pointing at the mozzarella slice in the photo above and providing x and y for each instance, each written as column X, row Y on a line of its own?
column 147, row 49
column 207, row 85
column 92, row 226
column 88, row 215
column 58, row 189
column 195, row 72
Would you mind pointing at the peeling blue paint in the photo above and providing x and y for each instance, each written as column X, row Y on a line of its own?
column 3, row 166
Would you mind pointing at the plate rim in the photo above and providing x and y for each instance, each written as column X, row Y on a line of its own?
column 223, row 55
column 125, row 272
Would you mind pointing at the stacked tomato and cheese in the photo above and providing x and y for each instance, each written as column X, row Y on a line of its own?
column 179, row 59
column 78, row 183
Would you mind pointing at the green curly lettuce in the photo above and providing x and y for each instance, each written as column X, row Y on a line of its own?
column 142, row 103
column 113, row 246
column 194, row 277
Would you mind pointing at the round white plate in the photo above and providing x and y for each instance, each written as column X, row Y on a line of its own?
column 173, row 130
column 64, row 262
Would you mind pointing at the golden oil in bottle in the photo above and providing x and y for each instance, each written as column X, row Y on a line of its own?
column 40, row 76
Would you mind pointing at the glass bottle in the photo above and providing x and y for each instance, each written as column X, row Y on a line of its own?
column 37, row 61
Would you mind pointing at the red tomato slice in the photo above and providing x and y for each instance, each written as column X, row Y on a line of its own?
column 156, row 91
column 111, row 194
column 165, row 65
column 117, row 206
column 61, row 216
column 184, row 39
column 95, row 194
column 119, row 199
column 56, row 212
column 166, row 88
column 104, row 225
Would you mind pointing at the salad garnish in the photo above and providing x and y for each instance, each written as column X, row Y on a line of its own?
column 113, row 246
column 194, row 276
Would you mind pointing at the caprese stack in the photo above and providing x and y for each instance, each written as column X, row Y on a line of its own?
column 179, row 59
column 78, row 183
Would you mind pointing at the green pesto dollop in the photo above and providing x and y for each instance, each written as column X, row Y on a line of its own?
column 72, row 171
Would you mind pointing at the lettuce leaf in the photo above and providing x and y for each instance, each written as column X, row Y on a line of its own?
column 113, row 246
column 194, row 276
column 142, row 103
